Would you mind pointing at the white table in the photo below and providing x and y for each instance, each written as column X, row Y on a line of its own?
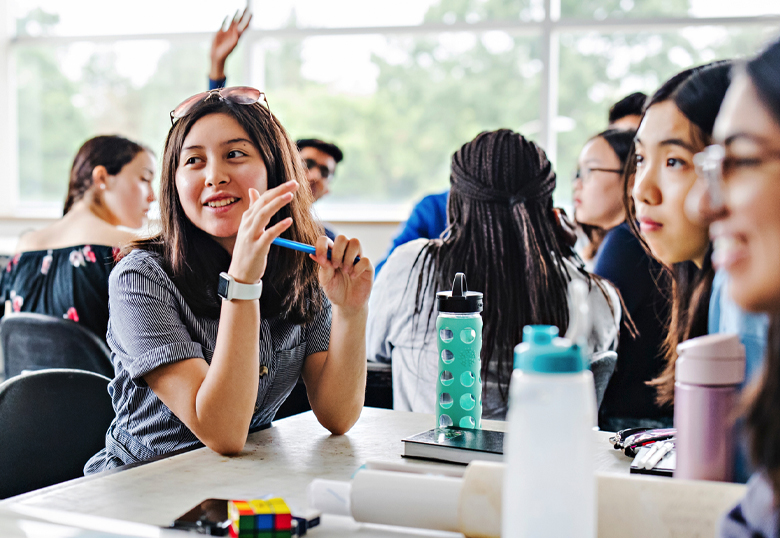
column 281, row 460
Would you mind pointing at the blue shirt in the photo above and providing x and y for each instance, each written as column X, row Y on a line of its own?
column 428, row 221
column 726, row 317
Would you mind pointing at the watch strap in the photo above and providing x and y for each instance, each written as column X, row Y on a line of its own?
column 229, row 289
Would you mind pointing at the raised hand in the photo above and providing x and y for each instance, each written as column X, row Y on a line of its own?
column 346, row 283
column 253, row 241
column 225, row 40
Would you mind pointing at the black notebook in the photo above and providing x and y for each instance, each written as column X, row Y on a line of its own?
column 456, row 445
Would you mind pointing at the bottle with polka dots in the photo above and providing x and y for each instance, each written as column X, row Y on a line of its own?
column 459, row 337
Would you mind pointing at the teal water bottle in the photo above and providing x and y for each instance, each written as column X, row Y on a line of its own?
column 459, row 337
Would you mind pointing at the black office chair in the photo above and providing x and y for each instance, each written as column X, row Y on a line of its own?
column 51, row 423
column 34, row 341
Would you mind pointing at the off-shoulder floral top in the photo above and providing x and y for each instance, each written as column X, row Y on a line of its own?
column 70, row 282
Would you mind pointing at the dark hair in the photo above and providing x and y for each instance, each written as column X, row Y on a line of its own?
column 501, row 216
column 325, row 147
column 630, row 105
column 622, row 142
column 697, row 93
column 763, row 401
column 194, row 260
column 111, row 151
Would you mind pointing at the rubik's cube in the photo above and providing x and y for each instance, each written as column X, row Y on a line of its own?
column 260, row 519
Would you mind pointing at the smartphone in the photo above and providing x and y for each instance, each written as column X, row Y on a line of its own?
column 209, row 517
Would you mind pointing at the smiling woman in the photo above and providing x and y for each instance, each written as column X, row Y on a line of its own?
column 198, row 357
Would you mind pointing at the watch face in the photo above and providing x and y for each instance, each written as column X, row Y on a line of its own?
column 222, row 289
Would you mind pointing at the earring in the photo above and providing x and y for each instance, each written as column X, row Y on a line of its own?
column 102, row 186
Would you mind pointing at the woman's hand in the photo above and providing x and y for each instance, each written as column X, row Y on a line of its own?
column 346, row 283
column 253, row 241
column 225, row 40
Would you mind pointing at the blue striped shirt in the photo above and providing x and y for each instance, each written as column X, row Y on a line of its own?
column 150, row 325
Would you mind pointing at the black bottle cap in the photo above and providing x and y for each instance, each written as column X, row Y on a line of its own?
column 460, row 300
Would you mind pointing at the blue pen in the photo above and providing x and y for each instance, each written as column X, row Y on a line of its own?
column 295, row 245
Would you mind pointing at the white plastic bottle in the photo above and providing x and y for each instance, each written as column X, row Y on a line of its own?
column 549, row 485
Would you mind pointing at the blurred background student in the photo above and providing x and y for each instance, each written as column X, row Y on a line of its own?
column 62, row 270
column 599, row 191
column 509, row 241
column 743, row 200
column 623, row 115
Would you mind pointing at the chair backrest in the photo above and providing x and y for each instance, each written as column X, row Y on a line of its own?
column 35, row 341
column 51, row 423
column 603, row 366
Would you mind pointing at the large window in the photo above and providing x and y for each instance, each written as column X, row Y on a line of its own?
column 398, row 85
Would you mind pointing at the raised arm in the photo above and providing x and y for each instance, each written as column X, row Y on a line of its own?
column 225, row 40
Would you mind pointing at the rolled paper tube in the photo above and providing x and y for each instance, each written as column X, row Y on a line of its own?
column 330, row 496
column 479, row 507
column 406, row 499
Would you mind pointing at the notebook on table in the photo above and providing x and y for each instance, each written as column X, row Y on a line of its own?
column 455, row 445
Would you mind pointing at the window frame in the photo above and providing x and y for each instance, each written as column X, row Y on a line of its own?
column 548, row 30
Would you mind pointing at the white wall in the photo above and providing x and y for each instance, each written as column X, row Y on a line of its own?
column 375, row 237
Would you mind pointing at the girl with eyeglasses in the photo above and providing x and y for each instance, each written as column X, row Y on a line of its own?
column 744, row 203
column 598, row 204
column 514, row 247
column 211, row 325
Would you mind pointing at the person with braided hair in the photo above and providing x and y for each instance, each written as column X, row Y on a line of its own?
column 62, row 270
column 513, row 246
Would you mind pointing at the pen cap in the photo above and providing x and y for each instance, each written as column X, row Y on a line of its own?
column 713, row 359
column 542, row 352
column 460, row 300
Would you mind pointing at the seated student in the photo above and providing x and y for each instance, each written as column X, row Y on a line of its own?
column 747, row 246
column 198, row 358
column 62, row 270
column 428, row 220
column 598, row 202
column 627, row 113
column 506, row 237
column 319, row 157
column 623, row 115
column 677, row 124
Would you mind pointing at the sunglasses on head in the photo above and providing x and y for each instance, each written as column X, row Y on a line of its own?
column 325, row 172
column 240, row 95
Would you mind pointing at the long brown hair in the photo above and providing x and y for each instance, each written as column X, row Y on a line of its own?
column 112, row 152
column 501, row 218
column 697, row 93
column 194, row 260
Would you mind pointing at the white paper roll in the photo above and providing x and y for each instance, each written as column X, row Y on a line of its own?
column 480, row 500
column 406, row 499
column 330, row 496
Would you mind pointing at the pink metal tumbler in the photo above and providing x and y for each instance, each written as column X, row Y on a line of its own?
column 708, row 374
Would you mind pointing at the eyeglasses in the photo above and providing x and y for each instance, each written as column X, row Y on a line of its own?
column 709, row 166
column 714, row 168
column 325, row 172
column 240, row 95
column 585, row 173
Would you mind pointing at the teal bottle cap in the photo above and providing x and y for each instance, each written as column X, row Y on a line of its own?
column 544, row 353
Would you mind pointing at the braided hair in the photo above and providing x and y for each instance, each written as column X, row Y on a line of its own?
column 505, row 236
